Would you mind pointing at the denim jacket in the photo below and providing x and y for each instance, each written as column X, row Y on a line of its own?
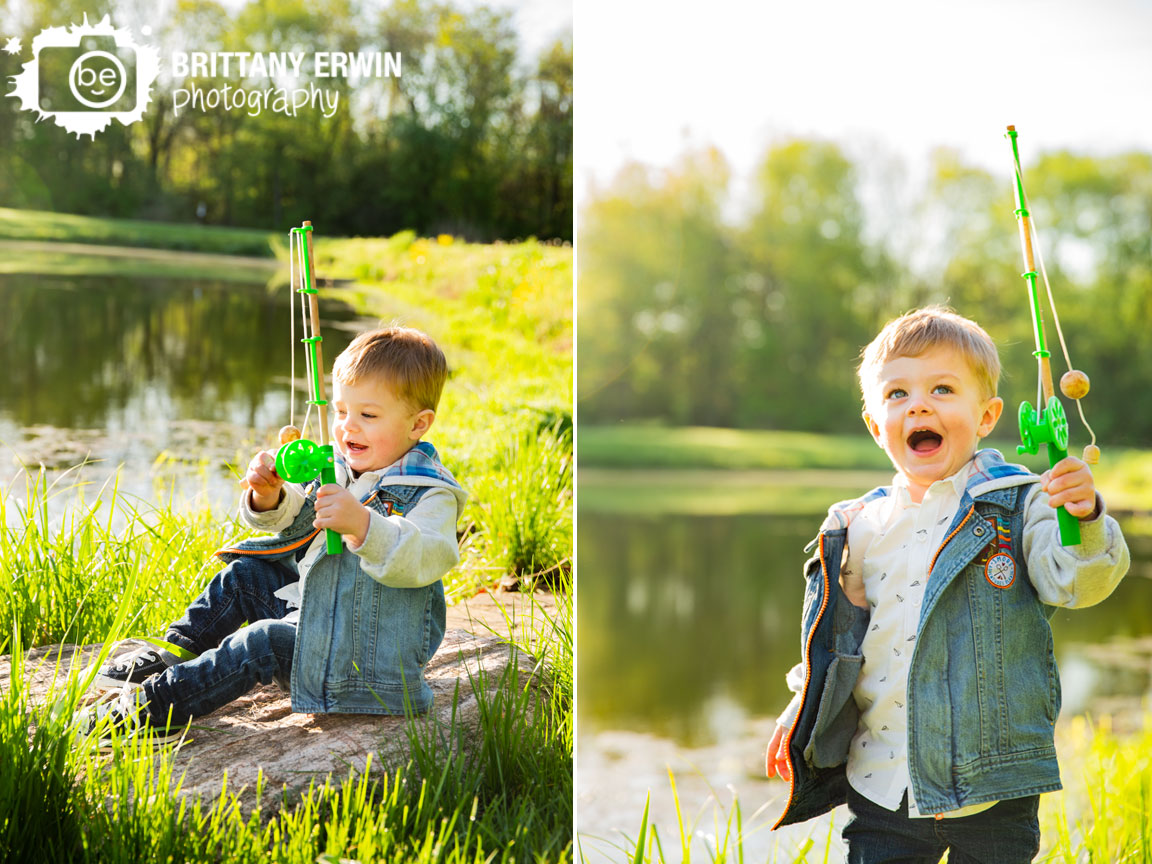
column 983, row 688
column 361, row 646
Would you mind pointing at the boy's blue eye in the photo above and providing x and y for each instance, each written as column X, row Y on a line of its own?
column 943, row 388
column 896, row 393
column 368, row 416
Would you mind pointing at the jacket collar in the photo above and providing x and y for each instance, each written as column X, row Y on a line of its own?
column 420, row 466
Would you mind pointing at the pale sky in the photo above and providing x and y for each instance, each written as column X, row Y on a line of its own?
column 898, row 75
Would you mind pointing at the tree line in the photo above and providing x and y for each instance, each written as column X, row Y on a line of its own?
column 690, row 316
column 472, row 139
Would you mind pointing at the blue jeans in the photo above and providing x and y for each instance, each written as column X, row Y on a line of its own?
column 1008, row 833
column 233, row 658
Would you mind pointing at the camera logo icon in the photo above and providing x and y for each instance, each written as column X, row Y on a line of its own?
column 85, row 76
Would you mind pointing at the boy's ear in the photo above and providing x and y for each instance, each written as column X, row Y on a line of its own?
column 421, row 423
column 873, row 428
column 990, row 417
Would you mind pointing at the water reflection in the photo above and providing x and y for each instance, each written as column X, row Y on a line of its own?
column 127, row 367
column 681, row 613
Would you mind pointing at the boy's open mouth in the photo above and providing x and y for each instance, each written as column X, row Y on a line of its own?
column 353, row 447
column 925, row 440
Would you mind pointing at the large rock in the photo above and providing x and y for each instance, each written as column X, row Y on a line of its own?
column 259, row 732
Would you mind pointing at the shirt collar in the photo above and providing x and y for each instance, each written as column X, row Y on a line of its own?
column 955, row 483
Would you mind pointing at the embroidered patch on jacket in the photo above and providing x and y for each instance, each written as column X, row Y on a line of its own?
column 1000, row 570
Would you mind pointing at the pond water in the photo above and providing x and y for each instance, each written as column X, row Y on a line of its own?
column 687, row 625
column 122, row 370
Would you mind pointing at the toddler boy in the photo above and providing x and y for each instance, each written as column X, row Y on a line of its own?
column 928, row 690
column 347, row 633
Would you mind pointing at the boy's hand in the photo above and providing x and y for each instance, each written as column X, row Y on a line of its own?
column 1069, row 482
column 264, row 482
column 778, row 756
column 338, row 510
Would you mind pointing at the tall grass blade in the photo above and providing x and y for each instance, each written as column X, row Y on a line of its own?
column 638, row 857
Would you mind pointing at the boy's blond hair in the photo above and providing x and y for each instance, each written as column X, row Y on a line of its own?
column 406, row 359
column 921, row 330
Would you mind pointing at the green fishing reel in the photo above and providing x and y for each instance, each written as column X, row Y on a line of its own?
column 302, row 461
column 1049, row 427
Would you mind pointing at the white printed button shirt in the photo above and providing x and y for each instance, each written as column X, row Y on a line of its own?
column 891, row 543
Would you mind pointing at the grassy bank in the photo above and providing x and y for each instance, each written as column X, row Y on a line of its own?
column 1123, row 475
column 114, row 566
column 29, row 257
column 67, row 228
column 1104, row 813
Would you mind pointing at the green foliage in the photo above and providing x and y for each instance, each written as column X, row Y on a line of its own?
column 689, row 316
column 657, row 298
column 472, row 138
column 66, row 575
column 1103, row 812
column 525, row 510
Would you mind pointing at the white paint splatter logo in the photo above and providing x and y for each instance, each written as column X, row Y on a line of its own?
column 85, row 76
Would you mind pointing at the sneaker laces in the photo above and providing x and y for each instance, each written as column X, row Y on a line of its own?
column 137, row 658
column 146, row 657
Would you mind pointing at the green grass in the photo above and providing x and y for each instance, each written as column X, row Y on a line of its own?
column 696, row 492
column 643, row 446
column 1124, row 476
column 525, row 510
column 68, row 553
column 64, row 227
column 1104, row 813
column 55, row 259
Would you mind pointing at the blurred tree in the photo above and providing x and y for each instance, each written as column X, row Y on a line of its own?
column 536, row 171
column 1097, row 215
column 807, row 261
column 657, row 298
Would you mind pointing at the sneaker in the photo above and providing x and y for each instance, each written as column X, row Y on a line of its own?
column 126, row 713
column 133, row 667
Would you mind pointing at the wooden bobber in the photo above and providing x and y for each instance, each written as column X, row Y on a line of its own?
column 1074, row 384
column 288, row 434
column 1091, row 454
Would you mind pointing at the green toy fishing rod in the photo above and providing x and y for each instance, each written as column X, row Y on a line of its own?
column 1046, row 423
column 299, row 460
